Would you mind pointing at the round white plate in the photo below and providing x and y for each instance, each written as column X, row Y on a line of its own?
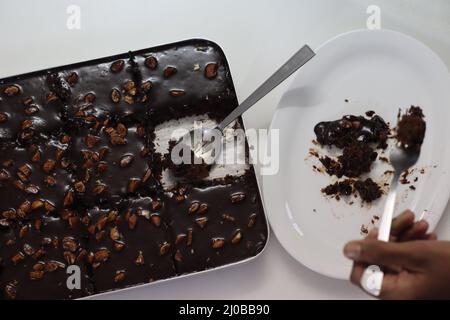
column 374, row 70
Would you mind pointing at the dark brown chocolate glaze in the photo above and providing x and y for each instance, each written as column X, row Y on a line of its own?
column 71, row 140
column 32, row 111
column 130, row 245
column 35, row 256
column 113, row 161
column 349, row 129
column 36, row 178
column 357, row 136
column 216, row 225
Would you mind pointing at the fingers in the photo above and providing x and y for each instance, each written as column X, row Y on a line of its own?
column 402, row 223
column 407, row 255
column 431, row 236
column 417, row 231
column 405, row 229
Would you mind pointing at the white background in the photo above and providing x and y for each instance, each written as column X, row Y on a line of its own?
column 257, row 36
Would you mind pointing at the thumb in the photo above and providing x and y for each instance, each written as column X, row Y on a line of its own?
column 409, row 255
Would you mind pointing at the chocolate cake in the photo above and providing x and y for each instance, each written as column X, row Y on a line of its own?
column 368, row 190
column 193, row 170
column 357, row 137
column 81, row 181
column 345, row 131
column 411, row 128
column 339, row 188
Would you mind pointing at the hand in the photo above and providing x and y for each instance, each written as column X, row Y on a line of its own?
column 414, row 267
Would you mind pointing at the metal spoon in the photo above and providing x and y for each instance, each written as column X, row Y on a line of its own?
column 207, row 143
column 401, row 159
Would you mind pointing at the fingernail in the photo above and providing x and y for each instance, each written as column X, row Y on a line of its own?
column 352, row 250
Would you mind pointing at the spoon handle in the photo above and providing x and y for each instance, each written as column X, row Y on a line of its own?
column 296, row 61
column 388, row 213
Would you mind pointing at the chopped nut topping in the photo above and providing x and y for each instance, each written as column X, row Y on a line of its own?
column 101, row 255
column 126, row 160
column 179, row 198
column 31, row 110
column 140, row 259
column 29, row 251
column 91, row 140
column 202, row 209
column 39, row 253
column 180, row 238
column 11, row 290
column 72, row 79
column 156, row 205
column 18, row 257
column 25, row 170
column 79, row 187
column 70, row 257
column 228, row 217
column 31, row 189
column 120, row 276
column 99, row 189
column 70, row 244
column 11, row 90
column 236, row 237
column 133, row 184
column 114, row 233
column 3, row 117
column 115, row 95
column 39, row 266
column 146, row 86
column 117, row 66
column 119, row 245
column 23, row 231
column 193, row 207
column 169, row 71
column 237, row 197
column 50, row 181
column 211, row 70
column 52, row 266
column 177, row 93
column 151, row 62
column 251, row 220
column 48, row 166
column 68, row 199
column 189, row 237
column 36, row 275
column 201, row 222
column 218, row 243
column 89, row 97
column 164, row 248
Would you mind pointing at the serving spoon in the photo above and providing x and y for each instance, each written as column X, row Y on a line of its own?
column 211, row 138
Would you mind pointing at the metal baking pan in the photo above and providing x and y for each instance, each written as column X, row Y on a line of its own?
column 161, row 51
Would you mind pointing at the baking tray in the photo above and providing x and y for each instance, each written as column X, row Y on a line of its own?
column 143, row 53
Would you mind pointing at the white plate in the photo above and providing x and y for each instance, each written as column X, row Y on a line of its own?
column 375, row 70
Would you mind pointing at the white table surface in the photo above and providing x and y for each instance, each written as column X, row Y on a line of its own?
column 257, row 36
